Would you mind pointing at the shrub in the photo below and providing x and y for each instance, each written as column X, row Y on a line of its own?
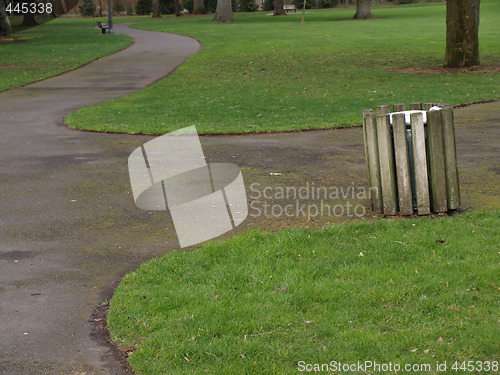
column 328, row 3
column 87, row 8
column 144, row 7
column 268, row 5
column 189, row 5
column 118, row 7
column 247, row 6
column 299, row 4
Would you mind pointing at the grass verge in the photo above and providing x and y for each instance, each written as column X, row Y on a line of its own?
column 400, row 291
column 263, row 73
column 53, row 48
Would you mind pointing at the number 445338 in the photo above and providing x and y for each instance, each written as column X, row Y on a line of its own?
column 475, row 366
column 25, row 8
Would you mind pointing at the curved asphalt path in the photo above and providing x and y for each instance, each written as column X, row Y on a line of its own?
column 60, row 251
column 69, row 229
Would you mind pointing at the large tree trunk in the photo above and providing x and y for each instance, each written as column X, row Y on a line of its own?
column 462, row 40
column 278, row 8
column 29, row 20
column 363, row 10
column 5, row 29
column 223, row 12
column 199, row 7
column 156, row 8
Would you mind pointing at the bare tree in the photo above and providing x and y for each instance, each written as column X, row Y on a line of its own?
column 5, row 29
column 279, row 9
column 223, row 12
column 199, row 7
column 462, row 38
column 363, row 10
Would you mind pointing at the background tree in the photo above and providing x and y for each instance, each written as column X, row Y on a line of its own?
column 462, row 37
column 177, row 8
column 28, row 18
column 223, row 12
column 278, row 8
column 156, row 8
column 199, row 7
column 363, row 10
column 5, row 29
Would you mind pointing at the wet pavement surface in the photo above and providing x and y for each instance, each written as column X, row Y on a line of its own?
column 61, row 194
column 69, row 228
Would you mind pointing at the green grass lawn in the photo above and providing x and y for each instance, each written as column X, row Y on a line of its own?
column 266, row 73
column 401, row 291
column 53, row 48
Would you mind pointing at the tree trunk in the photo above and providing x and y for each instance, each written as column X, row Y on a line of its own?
column 223, row 12
column 177, row 8
column 29, row 20
column 363, row 10
column 462, row 40
column 199, row 7
column 156, row 8
column 5, row 29
column 278, row 8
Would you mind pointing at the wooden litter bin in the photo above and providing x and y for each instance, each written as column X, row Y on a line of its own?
column 411, row 159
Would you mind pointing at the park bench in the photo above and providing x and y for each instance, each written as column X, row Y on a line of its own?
column 102, row 26
column 289, row 7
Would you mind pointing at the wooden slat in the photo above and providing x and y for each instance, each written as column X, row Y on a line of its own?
column 437, row 175
column 420, row 163
column 398, row 107
column 383, row 109
column 365, row 138
column 387, row 165
column 371, row 149
column 415, row 106
column 450, row 156
column 402, row 165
